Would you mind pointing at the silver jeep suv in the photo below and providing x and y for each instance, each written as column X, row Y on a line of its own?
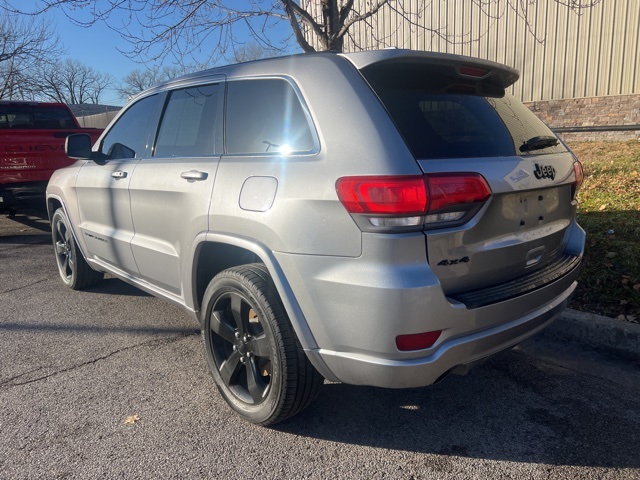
column 378, row 218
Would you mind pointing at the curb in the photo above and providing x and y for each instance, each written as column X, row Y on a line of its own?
column 603, row 333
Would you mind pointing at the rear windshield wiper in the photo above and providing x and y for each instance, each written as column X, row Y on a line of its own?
column 538, row 143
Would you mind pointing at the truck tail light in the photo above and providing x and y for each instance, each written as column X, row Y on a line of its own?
column 412, row 201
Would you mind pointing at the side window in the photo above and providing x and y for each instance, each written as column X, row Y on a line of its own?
column 189, row 126
column 131, row 136
column 266, row 116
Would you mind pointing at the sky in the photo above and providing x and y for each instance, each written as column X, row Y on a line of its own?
column 97, row 46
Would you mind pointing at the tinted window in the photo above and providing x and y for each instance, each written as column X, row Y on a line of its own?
column 132, row 134
column 522, row 124
column 189, row 126
column 266, row 116
column 438, row 122
column 34, row 117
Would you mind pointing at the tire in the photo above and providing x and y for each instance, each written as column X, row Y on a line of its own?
column 253, row 353
column 72, row 267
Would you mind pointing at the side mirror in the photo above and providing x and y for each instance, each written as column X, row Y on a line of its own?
column 78, row 146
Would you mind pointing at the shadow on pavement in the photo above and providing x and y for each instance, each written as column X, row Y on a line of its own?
column 505, row 410
column 114, row 286
column 25, row 223
column 99, row 329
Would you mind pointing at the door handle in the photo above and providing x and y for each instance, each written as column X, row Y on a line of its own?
column 119, row 174
column 193, row 175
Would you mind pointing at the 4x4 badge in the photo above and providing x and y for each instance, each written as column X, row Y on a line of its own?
column 455, row 261
column 544, row 171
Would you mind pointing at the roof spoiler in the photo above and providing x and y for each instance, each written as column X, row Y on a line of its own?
column 466, row 67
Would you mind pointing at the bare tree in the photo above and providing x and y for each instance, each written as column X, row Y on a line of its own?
column 140, row 79
column 184, row 29
column 73, row 82
column 252, row 51
column 26, row 45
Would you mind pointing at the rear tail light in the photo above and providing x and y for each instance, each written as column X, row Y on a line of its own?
column 452, row 193
column 388, row 195
column 579, row 178
column 411, row 202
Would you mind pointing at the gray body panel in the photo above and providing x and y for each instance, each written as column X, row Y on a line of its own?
column 105, row 225
column 521, row 227
column 164, row 236
column 348, row 293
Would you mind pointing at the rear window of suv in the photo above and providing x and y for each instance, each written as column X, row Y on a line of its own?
column 438, row 122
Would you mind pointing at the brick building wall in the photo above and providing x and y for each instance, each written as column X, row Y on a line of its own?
column 610, row 111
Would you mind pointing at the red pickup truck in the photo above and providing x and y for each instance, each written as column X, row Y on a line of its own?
column 32, row 137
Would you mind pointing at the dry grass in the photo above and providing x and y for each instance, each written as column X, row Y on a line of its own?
column 609, row 211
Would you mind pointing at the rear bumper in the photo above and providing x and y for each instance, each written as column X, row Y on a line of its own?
column 354, row 308
column 359, row 369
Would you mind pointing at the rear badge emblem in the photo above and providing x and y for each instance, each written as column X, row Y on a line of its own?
column 455, row 261
column 544, row 171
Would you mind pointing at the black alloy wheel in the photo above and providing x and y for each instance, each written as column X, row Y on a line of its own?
column 252, row 350
column 240, row 348
column 74, row 271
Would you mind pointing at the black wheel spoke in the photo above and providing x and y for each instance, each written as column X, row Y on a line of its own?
column 61, row 230
column 260, row 346
column 220, row 328
column 65, row 265
column 239, row 310
column 230, row 368
column 255, row 383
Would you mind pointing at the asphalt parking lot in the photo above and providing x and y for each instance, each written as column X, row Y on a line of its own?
column 112, row 383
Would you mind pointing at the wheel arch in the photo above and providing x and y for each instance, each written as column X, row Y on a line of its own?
column 54, row 203
column 217, row 252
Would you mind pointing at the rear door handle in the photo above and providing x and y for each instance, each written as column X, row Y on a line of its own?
column 193, row 175
column 119, row 174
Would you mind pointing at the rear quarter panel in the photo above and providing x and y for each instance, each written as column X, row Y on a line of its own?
column 356, row 137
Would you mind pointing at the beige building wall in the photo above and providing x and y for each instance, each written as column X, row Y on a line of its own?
column 596, row 53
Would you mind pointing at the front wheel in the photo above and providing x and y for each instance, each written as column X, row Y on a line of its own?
column 253, row 353
column 73, row 268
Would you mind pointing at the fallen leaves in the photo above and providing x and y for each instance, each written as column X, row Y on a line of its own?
column 131, row 420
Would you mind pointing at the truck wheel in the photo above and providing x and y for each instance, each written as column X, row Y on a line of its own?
column 255, row 358
column 73, row 268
